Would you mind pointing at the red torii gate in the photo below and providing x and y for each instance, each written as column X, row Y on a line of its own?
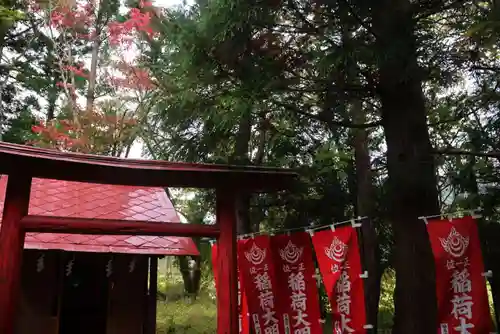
column 22, row 163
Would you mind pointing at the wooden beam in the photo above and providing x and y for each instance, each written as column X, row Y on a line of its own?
column 11, row 248
column 51, row 224
column 54, row 164
column 227, row 279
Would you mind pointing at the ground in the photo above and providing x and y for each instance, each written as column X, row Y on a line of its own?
column 180, row 315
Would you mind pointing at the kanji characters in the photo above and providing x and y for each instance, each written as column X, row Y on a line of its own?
column 464, row 327
column 343, row 289
column 462, row 306
column 269, row 317
column 460, row 281
column 342, row 326
column 262, row 281
column 266, row 299
column 265, row 322
column 450, row 264
column 297, row 285
column 304, row 330
column 300, row 319
column 273, row 329
column 343, row 284
column 344, row 303
column 296, row 281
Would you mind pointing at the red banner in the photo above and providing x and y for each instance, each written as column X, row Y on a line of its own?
column 293, row 259
column 340, row 265
column 460, row 287
column 242, row 303
column 259, row 281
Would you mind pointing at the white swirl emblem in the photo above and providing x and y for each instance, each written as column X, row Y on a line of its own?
column 337, row 250
column 455, row 244
column 291, row 253
column 255, row 255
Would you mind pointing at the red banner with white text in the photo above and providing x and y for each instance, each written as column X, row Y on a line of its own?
column 294, row 265
column 259, row 282
column 340, row 265
column 242, row 304
column 460, row 286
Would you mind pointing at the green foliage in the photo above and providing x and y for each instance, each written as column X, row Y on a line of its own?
column 180, row 317
column 19, row 131
column 9, row 16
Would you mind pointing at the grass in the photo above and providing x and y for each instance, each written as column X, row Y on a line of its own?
column 180, row 315
column 183, row 317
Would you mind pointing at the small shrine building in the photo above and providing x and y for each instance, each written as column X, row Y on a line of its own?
column 83, row 283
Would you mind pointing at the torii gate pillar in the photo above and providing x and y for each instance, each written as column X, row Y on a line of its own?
column 15, row 208
column 227, row 285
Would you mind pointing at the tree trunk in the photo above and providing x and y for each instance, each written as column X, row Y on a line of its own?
column 412, row 179
column 93, row 75
column 191, row 275
column 52, row 100
column 365, row 207
column 240, row 156
column 94, row 61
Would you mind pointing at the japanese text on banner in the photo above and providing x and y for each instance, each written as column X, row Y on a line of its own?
column 257, row 273
column 340, row 265
column 293, row 258
column 460, row 287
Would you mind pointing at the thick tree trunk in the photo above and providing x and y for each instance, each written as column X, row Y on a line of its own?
column 240, row 156
column 365, row 207
column 191, row 275
column 412, row 179
column 52, row 100
column 94, row 61
column 92, row 80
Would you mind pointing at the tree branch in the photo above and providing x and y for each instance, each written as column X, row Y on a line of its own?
column 430, row 8
column 330, row 122
column 454, row 151
column 486, row 68
column 359, row 19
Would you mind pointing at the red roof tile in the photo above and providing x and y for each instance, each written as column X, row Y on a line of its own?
column 88, row 200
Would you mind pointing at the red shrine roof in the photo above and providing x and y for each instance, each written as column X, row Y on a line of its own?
column 102, row 201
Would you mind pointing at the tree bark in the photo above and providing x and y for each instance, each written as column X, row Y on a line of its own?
column 190, row 275
column 412, row 180
column 365, row 207
column 52, row 100
column 94, row 61
column 240, row 156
